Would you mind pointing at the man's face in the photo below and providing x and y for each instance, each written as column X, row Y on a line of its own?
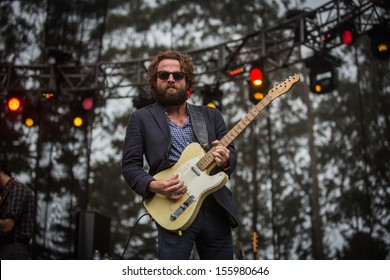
column 171, row 85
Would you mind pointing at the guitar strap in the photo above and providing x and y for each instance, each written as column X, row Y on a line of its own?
column 199, row 125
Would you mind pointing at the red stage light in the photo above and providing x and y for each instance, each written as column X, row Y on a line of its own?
column 256, row 76
column 87, row 104
column 14, row 104
column 347, row 37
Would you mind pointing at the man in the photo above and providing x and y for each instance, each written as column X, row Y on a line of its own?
column 16, row 215
column 160, row 132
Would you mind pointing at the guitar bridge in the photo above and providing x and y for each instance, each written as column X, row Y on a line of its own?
column 182, row 207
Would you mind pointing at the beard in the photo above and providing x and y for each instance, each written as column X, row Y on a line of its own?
column 170, row 96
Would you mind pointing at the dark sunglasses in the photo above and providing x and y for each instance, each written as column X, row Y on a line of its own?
column 164, row 75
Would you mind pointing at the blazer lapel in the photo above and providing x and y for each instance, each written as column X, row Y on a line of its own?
column 199, row 125
column 159, row 115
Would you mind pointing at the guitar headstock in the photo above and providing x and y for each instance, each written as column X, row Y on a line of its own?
column 284, row 86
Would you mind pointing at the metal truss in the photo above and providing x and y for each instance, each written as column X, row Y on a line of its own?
column 277, row 47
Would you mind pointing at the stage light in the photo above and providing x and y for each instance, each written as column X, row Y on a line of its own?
column 14, row 103
column 82, row 108
column 236, row 71
column 257, row 92
column 323, row 82
column 380, row 41
column 323, row 74
column 214, row 104
column 29, row 122
column 347, row 32
column 32, row 112
column 329, row 35
column 212, row 96
column 87, row 100
column 87, row 103
column 256, row 76
column 258, row 84
column 31, row 117
column 78, row 121
column 48, row 95
column 80, row 117
column 347, row 37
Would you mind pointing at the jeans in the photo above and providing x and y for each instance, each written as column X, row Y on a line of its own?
column 210, row 232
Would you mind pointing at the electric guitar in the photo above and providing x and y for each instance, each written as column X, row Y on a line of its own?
column 194, row 166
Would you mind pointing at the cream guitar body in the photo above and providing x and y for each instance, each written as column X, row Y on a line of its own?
column 179, row 214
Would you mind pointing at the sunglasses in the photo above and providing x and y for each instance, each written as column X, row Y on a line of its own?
column 164, row 75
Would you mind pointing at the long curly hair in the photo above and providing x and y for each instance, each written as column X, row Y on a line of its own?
column 186, row 66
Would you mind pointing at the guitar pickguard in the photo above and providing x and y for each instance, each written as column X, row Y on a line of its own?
column 199, row 185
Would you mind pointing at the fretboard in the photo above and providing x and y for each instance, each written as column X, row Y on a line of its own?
column 208, row 159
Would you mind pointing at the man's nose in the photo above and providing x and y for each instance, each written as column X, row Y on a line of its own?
column 171, row 78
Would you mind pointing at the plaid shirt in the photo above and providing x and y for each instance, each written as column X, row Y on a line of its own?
column 19, row 206
column 181, row 138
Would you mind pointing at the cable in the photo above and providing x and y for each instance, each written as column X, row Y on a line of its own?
column 131, row 234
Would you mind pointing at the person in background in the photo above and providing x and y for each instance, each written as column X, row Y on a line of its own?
column 160, row 132
column 16, row 215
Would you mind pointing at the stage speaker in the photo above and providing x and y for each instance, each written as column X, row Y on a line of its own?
column 92, row 233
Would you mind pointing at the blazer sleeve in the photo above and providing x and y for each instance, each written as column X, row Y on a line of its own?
column 133, row 169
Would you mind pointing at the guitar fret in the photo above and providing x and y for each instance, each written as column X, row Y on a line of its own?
column 254, row 116
column 205, row 161
column 248, row 117
column 225, row 141
column 228, row 136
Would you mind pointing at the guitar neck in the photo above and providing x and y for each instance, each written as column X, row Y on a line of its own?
column 208, row 159
column 245, row 121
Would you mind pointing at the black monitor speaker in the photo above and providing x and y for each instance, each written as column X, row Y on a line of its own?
column 92, row 233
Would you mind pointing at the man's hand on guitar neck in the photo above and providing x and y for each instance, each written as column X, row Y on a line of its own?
column 221, row 155
column 172, row 187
